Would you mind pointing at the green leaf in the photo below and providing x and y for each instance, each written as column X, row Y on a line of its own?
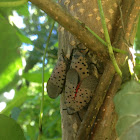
column 31, row 131
column 127, row 103
column 36, row 76
column 12, row 3
column 19, row 99
column 9, row 129
column 23, row 38
column 133, row 133
column 23, row 10
column 137, row 70
column 127, row 100
column 9, row 73
column 9, row 0
column 10, row 85
column 125, row 123
column 9, row 43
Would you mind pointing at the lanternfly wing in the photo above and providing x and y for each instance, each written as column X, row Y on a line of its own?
column 79, row 63
column 84, row 94
column 56, row 81
column 70, row 88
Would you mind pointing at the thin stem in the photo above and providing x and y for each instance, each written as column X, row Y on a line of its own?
column 39, row 50
column 48, row 55
column 111, row 54
column 13, row 4
column 103, row 42
column 42, row 99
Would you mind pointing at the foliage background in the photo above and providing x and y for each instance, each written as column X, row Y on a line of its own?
column 21, row 55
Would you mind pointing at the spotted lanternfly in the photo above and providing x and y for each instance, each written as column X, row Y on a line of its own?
column 83, row 49
column 72, row 80
column 56, row 82
column 80, row 64
column 77, row 97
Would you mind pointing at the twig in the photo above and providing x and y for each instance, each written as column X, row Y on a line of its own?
column 39, row 50
column 48, row 55
column 103, row 42
column 42, row 99
column 111, row 54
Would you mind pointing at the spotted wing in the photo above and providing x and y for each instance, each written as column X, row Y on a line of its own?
column 85, row 93
column 70, row 89
column 79, row 63
column 56, row 82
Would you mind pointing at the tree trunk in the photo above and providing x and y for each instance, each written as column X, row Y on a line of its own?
column 87, row 12
column 99, row 119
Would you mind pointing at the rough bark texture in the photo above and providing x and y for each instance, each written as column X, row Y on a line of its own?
column 105, row 124
column 107, row 117
column 121, row 26
column 87, row 12
column 64, row 18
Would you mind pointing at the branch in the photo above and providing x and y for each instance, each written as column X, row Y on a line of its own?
column 103, row 42
column 42, row 52
column 96, row 102
column 128, row 9
column 83, row 33
column 107, row 117
column 111, row 54
column 70, row 23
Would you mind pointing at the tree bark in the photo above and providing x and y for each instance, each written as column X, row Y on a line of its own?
column 106, row 120
column 121, row 26
column 88, row 13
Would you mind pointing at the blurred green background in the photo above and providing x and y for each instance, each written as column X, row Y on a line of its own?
column 23, row 35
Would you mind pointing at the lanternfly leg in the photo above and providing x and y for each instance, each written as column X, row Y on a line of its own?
column 79, row 116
